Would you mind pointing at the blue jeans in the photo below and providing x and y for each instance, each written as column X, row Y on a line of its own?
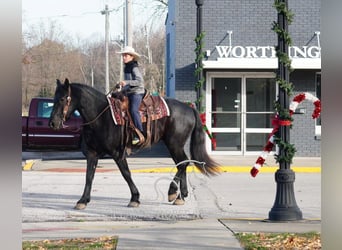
column 134, row 104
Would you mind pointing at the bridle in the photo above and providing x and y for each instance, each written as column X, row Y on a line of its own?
column 67, row 105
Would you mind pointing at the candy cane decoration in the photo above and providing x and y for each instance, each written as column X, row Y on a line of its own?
column 213, row 140
column 276, row 123
column 205, row 128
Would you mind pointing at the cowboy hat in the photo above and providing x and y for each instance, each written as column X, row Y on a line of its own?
column 129, row 50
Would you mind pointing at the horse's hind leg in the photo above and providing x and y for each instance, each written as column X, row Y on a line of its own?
column 179, row 179
column 92, row 160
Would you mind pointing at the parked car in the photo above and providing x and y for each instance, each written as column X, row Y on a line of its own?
column 36, row 133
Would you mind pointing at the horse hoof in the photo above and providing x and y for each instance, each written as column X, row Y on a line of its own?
column 178, row 202
column 172, row 197
column 133, row 204
column 80, row 206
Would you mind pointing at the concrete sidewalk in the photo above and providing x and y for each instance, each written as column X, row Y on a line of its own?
column 215, row 209
column 195, row 234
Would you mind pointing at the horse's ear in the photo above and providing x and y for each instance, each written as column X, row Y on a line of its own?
column 66, row 81
column 58, row 82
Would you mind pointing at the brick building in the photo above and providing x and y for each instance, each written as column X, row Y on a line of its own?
column 240, row 68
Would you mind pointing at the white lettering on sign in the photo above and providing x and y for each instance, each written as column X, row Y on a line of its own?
column 266, row 52
column 305, row 52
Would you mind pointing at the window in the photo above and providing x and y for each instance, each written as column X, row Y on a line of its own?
column 44, row 109
column 76, row 113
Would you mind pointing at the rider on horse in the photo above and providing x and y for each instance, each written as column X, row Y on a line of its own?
column 133, row 85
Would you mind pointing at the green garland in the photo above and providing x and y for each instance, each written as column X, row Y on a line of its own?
column 287, row 86
column 284, row 114
column 289, row 148
column 198, row 71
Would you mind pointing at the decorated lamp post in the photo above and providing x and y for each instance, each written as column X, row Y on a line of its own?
column 199, row 55
column 285, row 207
column 199, row 71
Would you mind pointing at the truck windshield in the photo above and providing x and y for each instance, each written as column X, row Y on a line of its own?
column 45, row 109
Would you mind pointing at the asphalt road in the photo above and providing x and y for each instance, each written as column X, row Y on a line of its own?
column 215, row 208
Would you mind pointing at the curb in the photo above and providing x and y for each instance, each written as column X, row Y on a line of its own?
column 230, row 169
column 223, row 169
column 28, row 165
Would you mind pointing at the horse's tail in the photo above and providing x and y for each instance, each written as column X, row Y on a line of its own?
column 198, row 150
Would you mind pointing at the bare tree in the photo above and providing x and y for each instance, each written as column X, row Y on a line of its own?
column 49, row 53
column 150, row 44
column 45, row 58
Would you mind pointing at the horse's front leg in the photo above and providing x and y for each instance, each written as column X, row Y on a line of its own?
column 92, row 160
column 126, row 173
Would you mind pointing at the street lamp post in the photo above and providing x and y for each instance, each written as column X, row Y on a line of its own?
column 199, row 4
column 285, row 207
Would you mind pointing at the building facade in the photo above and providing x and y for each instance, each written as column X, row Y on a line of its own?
column 239, row 68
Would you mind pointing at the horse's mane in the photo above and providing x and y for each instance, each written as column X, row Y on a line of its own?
column 94, row 93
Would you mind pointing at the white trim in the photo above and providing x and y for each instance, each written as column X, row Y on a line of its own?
column 306, row 63
column 258, row 130
column 225, row 130
column 250, row 74
column 50, row 135
column 318, row 130
column 166, row 106
column 111, row 108
column 260, row 63
column 241, row 63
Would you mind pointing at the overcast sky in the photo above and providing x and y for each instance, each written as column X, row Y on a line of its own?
column 83, row 17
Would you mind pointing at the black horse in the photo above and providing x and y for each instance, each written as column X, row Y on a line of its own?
column 102, row 137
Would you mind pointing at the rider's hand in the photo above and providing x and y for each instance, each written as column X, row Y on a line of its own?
column 122, row 83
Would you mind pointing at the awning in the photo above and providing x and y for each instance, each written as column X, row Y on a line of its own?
column 260, row 63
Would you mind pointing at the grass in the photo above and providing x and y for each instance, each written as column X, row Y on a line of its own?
column 284, row 241
column 250, row 241
column 72, row 244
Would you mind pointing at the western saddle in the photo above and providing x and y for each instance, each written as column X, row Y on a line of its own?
column 151, row 109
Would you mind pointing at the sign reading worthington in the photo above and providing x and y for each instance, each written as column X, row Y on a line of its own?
column 266, row 52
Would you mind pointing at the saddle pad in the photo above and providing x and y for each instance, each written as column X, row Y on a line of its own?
column 157, row 112
column 115, row 110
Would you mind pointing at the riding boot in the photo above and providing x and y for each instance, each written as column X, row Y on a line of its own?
column 138, row 138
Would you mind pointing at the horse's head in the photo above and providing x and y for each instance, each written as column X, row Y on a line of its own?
column 63, row 106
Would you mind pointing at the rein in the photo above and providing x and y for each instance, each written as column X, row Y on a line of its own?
column 107, row 107
column 66, row 108
column 97, row 117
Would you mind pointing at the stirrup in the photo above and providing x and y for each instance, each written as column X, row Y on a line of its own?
column 135, row 141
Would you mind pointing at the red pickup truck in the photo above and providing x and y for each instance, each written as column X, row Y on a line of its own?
column 36, row 133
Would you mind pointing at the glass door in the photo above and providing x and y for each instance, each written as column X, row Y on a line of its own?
column 226, row 113
column 260, row 97
column 241, row 108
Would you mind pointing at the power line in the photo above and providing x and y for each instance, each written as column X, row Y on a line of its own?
column 64, row 15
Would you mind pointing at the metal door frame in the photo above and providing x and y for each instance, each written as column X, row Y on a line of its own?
column 243, row 130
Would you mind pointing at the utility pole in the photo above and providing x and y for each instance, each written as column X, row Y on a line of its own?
column 106, row 13
column 149, row 52
column 92, row 77
column 128, row 22
column 120, row 43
